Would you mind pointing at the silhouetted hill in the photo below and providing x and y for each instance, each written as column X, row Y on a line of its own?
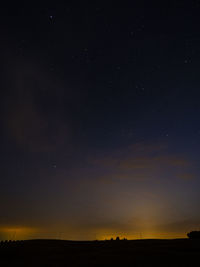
column 194, row 235
column 179, row 252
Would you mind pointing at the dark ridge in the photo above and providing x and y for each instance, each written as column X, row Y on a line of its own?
column 52, row 252
column 194, row 235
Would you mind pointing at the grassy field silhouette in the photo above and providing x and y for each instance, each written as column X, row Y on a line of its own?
column 177, row 252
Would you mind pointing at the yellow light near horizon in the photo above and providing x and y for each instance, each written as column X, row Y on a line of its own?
column 142, row 236
column 23, row 233
column 14, row 233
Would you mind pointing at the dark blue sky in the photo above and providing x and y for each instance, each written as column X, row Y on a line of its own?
column 100, row 119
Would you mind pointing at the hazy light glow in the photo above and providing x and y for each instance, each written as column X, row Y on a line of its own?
column 100, row 133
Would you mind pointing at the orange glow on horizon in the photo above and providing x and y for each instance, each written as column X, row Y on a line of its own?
column 142, row 236
column 17, row 233
column 24, row 233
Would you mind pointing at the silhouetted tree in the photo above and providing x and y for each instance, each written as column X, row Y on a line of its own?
column 117, row 238
column 194, row 235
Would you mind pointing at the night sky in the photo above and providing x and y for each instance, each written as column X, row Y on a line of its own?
column 100, row 112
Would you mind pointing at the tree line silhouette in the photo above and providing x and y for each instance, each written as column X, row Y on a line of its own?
column 194, row 235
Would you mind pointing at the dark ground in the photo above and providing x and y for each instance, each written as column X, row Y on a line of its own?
column 180, row 252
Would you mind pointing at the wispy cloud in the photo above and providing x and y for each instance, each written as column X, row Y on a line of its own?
column 141, row 161
column 35, row 112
